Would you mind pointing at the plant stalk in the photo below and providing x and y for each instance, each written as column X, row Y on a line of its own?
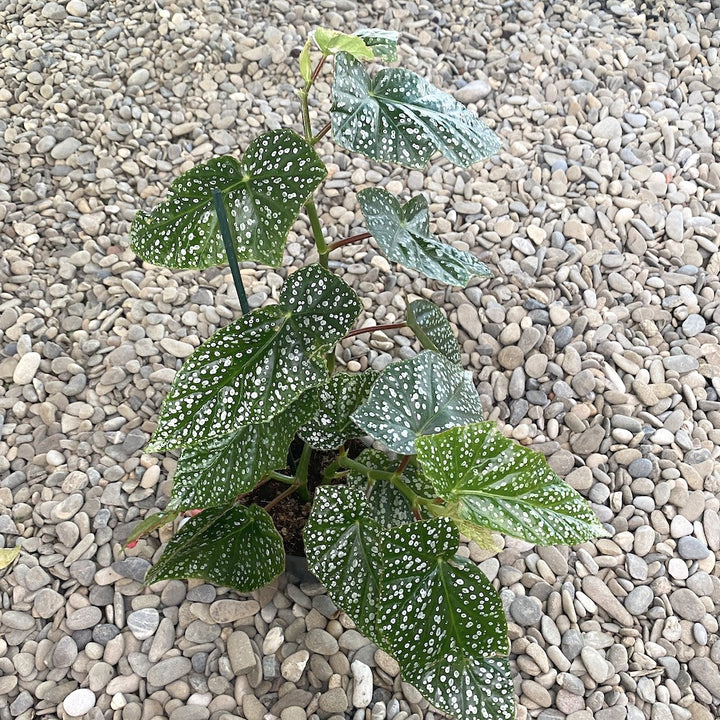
column 374, row 328
column 323, row 132
column 281, row 497
column 302, row 473
column 346, row 241
column 323, row 250
column 274, row 475
column 230, row 249
column 317, row 69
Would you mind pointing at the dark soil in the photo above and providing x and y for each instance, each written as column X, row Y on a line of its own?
column 291, row 513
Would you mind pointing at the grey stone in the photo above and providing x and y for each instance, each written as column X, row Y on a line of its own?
column 693, row 325
column 320, row 641
column 687, row 605
column 474, row 91
column 607, row 129
column 707, row 673
column 293, row 666
column 690, row 548
column 169, row 670
column 525, row 611
column 132, row 567
column 640, row 468
column 84, row 618
column 572, row 643
column 47, row 602
column 241, row 653
column 143, row 622
column 334, row 701
column 639, row 600
column 227, row 611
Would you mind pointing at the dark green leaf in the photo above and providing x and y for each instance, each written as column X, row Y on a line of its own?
column 403, row 233
column 237, row 547
column 386, row 503
column 216, row 472
column 421, row 396
column 342, row 543
column 504, row 486
column 151, row 523
column 331, row 42
column 341, row 395
column 469, row 689
column 251, row 370
column 263, row 194
column 432, row 329
column 443, row 621
column 399, row 117
column 383, row 43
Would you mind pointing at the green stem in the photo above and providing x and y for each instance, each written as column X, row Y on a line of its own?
column 230, row 249
column 307, row 127
column 282, row 478
column 302, row 472
column 322, row 247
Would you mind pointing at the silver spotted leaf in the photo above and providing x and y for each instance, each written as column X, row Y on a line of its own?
column 342, row 544
column 237, row 547
column 216, row 472
column 251, row 370
column 467, row 688
column 432, row 329
column 331, row 42
column 403, row 234
column 421, row 396
column 399, row 117
column 443, row 621
column 263, row 194
column 386, row 503
column 383, row 43
column 504, row 486
column 341, row 395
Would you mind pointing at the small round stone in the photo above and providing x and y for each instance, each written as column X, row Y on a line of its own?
column 79, row 702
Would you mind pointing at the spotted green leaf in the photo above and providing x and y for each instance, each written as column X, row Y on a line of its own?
column 331, row 42
column 151, row 523
column 432, row 329
column 504, row 486
column 383, row 43
column 237, row 547
column 341, row 395
column 386, row 503
column 399, row 117
column 217, row 471
column 403, row 234
column 443, row 621
column 342, row 543
column 251, row 370
column 420, row 396
column 263, row 194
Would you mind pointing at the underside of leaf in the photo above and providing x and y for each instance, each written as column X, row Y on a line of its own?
column 432, row 329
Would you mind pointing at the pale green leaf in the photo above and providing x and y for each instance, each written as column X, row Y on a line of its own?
column 432, row 329
column 399, row 117
column 263, row 194
column 331, row 42
column 341, row 395
column 216, row 472
column 8, row 556
column 403, row 234
column 443, row 621
column 236, row 547
column 383, row 43
column 150, row 523
column 342, row 543
column 251, row 370
column 504, row 486
column 305, row 63
column 420, row 396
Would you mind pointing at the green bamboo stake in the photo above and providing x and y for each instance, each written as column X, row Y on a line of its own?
column 230, row 249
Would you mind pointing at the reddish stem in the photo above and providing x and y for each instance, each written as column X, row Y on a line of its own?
column 325, row 130
column 346, row 241
column 374, row 328
column 403, row 464
column 317, row 69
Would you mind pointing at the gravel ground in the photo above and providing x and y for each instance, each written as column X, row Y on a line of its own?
column 597, row 342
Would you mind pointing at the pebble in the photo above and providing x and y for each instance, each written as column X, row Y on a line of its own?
column 47, row 602
column 639, row 600
column 241, row 653
column 26, row 368
column 80, row 701
column 363, row 684
column 168, row 671
column 143, row 623
column 687, row 605
column 525, row 611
